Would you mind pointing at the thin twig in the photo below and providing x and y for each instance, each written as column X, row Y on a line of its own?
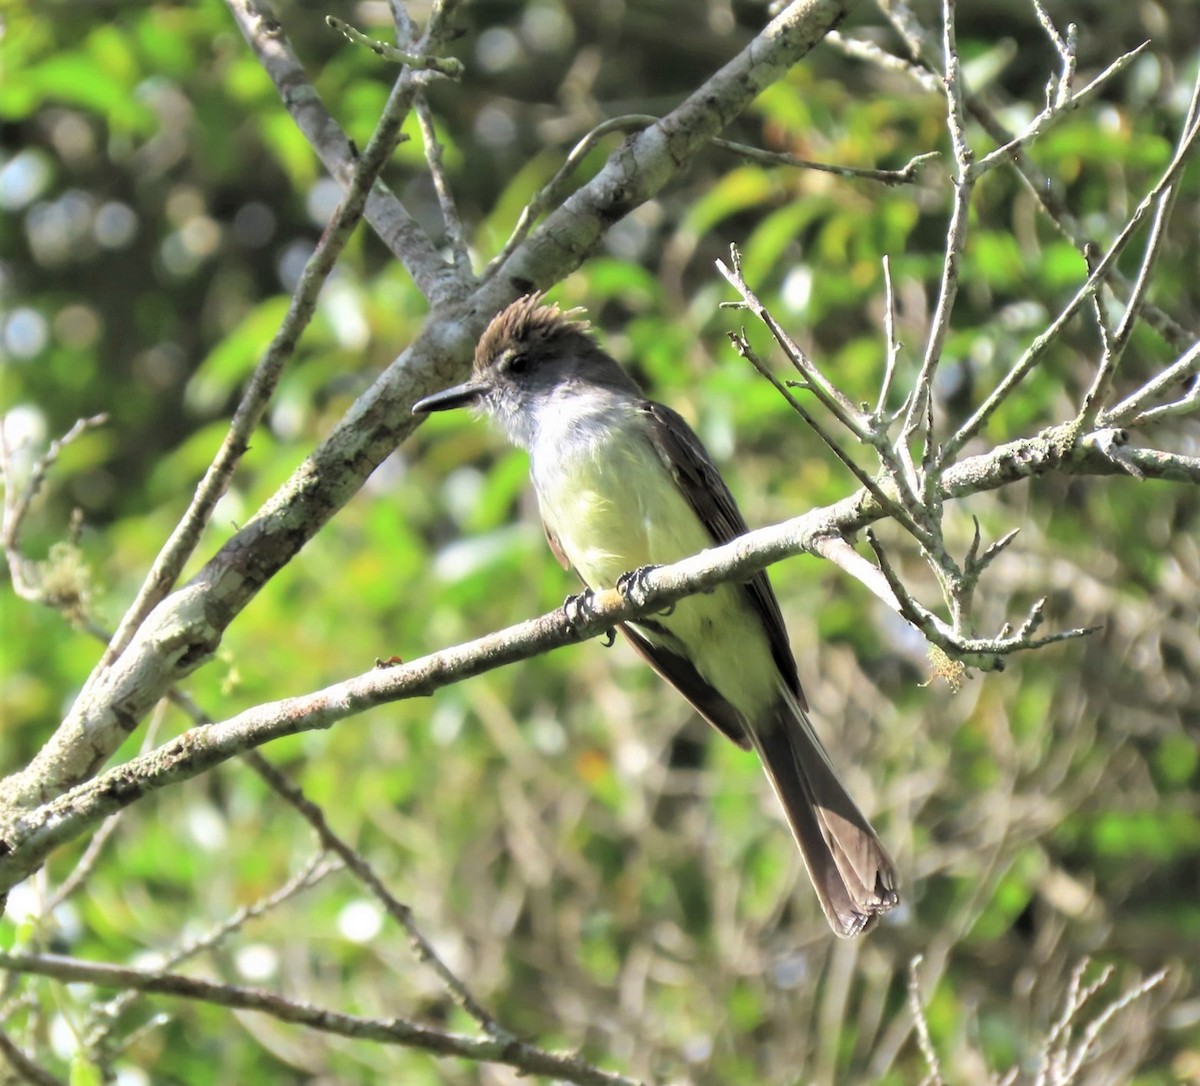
column 920, row 408
column 1033, row 354
column 906, row 175
column 17, row 498
column 395, row 1031
column 1065, row 47
column 1087, row 1042
column 451, row 67
column 742, row 345
column 107, row 1015
column 455, row 235
column 1132, row 411
column 396, row 909
column 261, row 387
column 1114, row 345
column 837, row 549
column 889, row 334
column 975, row 565
column 847, row 413
column 552, row 192
column 923, row 70
column 23, row 1066
column 1054, row 112
column 869, row 51
column 924, row 1041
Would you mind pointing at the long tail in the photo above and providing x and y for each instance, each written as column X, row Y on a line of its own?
column 849, row 867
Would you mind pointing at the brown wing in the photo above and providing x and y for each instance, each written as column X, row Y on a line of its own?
column 709, row 497
column 678, row 671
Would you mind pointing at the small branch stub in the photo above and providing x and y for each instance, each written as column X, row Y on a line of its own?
column 451, row 67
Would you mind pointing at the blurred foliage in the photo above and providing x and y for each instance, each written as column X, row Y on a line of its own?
column 605, row 877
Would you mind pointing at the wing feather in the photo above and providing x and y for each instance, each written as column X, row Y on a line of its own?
column 710, row 499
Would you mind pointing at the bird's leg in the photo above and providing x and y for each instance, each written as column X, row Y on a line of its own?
column 632, row 586
column 578, row 607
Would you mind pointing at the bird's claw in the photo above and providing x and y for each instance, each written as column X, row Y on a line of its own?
column 578, row 607
column 632, row 586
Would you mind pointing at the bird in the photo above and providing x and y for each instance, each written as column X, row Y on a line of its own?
column 623, row 484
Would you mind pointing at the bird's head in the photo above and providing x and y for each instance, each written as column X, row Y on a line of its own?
column 531, row 354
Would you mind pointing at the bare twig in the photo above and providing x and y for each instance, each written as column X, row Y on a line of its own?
column 18, row 498
column 1132, row 411
column 1061, row 1061
column 1065, row 47
column 872, row 53
column 554, row 190
column 742, row 345
column 314, row 870
column 919, row 417
column 23, row 1066
column 1114, row 345
column 923, row 69
column 976, row 563
column 906, row 175
column 1033, row 354
column 893, row 345
column 838, row 550
column 829, row 394
column 261, row 387
column 28, row 576
column 1056, row 108
column 934, row 1076
column 451, row 67
column 86, row 864
column 396, row 909
column 396, row 1031
column 455, row 235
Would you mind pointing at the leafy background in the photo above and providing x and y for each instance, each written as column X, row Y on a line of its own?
column 606, row 875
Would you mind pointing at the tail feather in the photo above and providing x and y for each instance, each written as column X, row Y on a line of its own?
column 851, row 871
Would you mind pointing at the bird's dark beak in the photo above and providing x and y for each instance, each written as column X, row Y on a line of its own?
column 450, row 398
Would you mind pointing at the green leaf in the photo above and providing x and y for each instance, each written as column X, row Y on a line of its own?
column 742, row 188
column 78, row 79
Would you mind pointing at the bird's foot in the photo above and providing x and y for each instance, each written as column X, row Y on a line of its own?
column 632, row 586
column 578, row 608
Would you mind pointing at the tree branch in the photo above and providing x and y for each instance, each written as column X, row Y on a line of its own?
column 257, row 396
column 397, row 1031
column 186, row 628
column 27, row 837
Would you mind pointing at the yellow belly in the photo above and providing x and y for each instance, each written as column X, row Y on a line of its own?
column 618, row 509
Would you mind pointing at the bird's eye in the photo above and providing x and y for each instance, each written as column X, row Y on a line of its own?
column 515, row 362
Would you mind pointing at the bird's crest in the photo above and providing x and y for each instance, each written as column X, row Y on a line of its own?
column 526, row 321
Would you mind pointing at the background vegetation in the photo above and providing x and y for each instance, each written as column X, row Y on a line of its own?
column 606, row 876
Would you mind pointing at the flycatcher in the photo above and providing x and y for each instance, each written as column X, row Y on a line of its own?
column 624, row 483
